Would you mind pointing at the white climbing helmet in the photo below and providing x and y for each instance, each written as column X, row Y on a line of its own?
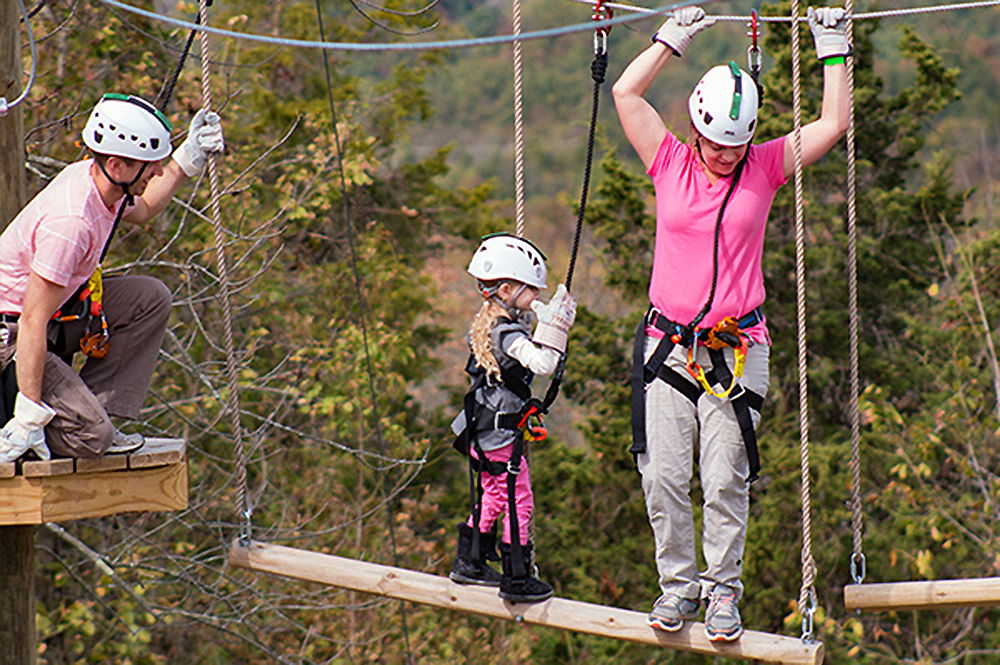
column 128, row 126
column 723, row 106
column 504, row 256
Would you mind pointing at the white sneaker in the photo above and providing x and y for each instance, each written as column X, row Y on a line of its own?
column 722, row 618
column 123, row 443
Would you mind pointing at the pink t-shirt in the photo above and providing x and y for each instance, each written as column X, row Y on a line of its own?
column 59, row 235
column 686, row 209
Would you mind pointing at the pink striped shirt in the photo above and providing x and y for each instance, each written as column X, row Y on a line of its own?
column 59, row 235
column 686, row 209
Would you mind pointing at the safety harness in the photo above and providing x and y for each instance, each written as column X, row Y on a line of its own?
column 481, row 418
column 645, row 372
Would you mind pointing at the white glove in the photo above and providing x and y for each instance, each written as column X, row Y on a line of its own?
column 204, row 136
column 555, row 318
column 26, row 430
column 829, row 30
column 682, row 25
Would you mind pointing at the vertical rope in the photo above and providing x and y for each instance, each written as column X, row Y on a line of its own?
column 363, row 323
column 857, row 555
column 807, row 593
column 518, row 124
column 232, row 369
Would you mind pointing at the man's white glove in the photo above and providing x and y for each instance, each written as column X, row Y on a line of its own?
column 829, row 28
column 682, row 25
column 26, row 430
column 204, row 136
column 555, row 318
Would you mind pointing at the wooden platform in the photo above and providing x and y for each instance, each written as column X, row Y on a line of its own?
column 926, row 595
column 555, row 613
column 154, row 478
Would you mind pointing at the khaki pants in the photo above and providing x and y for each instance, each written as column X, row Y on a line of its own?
column 137, row 309
column 675, row 430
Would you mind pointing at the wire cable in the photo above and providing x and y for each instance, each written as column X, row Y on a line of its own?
column 5, row 106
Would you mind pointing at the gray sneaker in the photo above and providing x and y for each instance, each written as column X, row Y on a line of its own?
column 669, row 612
column 722, row 618
column 123, row 443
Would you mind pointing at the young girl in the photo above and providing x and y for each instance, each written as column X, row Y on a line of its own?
column 696, row 223
column 504, row 357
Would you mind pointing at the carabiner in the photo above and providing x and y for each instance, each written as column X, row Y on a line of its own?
column 601, row 13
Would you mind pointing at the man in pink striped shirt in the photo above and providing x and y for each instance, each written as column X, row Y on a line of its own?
column 50, row 256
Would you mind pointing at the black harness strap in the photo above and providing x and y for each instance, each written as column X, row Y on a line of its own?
column 644, row 373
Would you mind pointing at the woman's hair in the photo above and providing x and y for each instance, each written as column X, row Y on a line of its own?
column 479, row 337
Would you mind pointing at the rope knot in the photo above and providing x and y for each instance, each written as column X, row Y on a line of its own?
column 599, row 67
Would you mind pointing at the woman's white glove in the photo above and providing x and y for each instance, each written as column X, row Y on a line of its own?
column 26, row 430
column 555, row 318
column 204, row 136
column 681, row 27
column 829, row 28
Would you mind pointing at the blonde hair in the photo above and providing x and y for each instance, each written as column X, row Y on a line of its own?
column 480, row 340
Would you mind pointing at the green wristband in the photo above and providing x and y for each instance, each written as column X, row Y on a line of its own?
column 835, row 60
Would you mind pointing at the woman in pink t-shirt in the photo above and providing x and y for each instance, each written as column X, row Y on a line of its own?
column 713, row 197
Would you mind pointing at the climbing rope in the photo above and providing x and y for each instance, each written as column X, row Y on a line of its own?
column 363, row 317
column 518, row 123
column 243, row 507
column 857, row 555
column 807, row 592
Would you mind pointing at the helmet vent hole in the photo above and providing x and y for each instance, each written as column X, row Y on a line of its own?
column 134, row 138
column 98, row 137
column 753, row 123
column 121, row 137
column 142, row 145
column 707, row 117
column 111, row 128
column 155, row 143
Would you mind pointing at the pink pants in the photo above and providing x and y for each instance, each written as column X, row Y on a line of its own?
column 495, row 496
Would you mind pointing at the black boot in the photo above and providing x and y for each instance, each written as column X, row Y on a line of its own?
column 465, row 569
column 488, row 544
column 524, row 589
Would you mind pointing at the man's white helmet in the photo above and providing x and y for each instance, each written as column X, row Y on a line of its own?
column 504, row 256
column 128, row 126
column 723, row 106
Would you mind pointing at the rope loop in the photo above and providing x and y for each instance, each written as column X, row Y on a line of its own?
column 599, row 67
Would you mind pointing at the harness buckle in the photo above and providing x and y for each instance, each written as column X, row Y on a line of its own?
column 513, row 469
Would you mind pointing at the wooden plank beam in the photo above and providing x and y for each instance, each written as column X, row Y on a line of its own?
column 932, row 594
column 555, row 613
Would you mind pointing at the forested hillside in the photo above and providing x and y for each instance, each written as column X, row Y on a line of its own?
column 351, row 302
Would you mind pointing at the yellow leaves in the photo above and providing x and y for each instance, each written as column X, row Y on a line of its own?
column 933, row 290
column 923, row 564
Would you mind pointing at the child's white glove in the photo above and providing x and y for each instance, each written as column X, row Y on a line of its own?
column 26, row 430
column 204, row 136
column 555, row 318
column 829, row 29
column 681, row 27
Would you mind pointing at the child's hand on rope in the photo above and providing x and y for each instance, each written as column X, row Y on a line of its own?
column 555, row 318
column 681, row 27
column 204, row 136
column 829, row 28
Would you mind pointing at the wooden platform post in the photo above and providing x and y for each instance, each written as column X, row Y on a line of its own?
column 560, row 613
column 17, row 543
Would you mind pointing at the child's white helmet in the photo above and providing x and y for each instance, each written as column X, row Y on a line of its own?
column 128, row 126
column 504, row 256
column 723, row 105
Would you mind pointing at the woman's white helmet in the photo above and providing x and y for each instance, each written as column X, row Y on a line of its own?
column 504, row 256
column 128, row 126
column 723, row 106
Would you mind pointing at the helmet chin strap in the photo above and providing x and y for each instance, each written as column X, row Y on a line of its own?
column 126, row 202
column 491, row 293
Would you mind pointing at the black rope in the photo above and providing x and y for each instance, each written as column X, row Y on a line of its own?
column 598, row 70
column 362, row 316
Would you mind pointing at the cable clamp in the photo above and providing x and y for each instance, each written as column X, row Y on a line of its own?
column 858, row 567
column 809, row 618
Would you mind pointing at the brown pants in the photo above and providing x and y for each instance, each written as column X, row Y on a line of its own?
column 137, row 309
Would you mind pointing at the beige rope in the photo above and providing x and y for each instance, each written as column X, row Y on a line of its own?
column 807, row 593
column 857, row 556
column 518, row 124
column 232, row 369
